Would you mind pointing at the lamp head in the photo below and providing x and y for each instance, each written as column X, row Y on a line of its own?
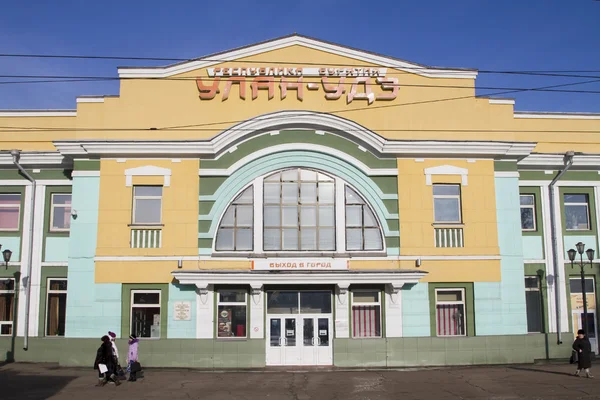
column 572, row 254
column 580, row 247
column 6, row 254
column 590, row 254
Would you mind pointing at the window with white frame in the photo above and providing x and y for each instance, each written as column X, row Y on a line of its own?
column 235, row 230
column 299, row 211
column 145, row 313
column 56, row 307
column 528, row 217
column 10, row 211
column 147, row 205
column 232, row 313
column 450, row 312
column 299, row 214
column 60, row 212
column 7, row 304
column 362, row 229
column 577, row 212
column 446, row 204
column 366, row 313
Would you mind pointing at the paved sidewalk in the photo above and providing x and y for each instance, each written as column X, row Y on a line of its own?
column 39, row 381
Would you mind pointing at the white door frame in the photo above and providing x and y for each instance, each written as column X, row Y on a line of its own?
column 577, row 314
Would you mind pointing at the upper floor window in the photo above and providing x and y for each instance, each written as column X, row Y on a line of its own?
column 577, row 212
column 446, row 204
column 362, row 230
column 147, row 205
column 528, row 212
column 299, row 211
column 10, row 210
column 60, row 213
column 235, row 230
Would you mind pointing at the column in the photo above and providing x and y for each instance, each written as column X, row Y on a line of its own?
column 342, row 323
column 205, row 312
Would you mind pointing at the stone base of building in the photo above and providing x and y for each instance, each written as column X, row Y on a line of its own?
column 381, row 353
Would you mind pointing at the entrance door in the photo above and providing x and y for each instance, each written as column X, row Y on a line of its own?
column 300, row 333
column 577, row 309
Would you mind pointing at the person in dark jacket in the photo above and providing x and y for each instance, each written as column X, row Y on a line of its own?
column 583, row 348
column 105, row 355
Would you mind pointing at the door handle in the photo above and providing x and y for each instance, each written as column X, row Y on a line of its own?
column 280, row 341
column 312, row 341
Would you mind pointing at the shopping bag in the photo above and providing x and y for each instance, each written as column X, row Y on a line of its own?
column 102, row 368
column 135, row 367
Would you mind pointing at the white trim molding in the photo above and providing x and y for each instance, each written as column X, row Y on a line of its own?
column 502, row 101
column 249, row 259
column 446, row 170
column 548, row 161
column 289, row 41
column 506, row 174
column 38, row 113
column 45, row 182
column 552, row 115
column 34, row 158
column 85, row 173
column 90, row 100
column 148, row 170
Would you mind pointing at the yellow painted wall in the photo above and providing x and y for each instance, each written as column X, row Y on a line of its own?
column 179, row 212
column 420, row 115
column 415, row 205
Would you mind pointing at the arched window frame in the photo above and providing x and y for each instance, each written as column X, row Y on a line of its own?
column 339, row 222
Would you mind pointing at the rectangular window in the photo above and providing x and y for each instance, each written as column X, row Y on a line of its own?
column 7, row 303
column 528, row 217
column 577, row 212
column 366, row 314
column 533, row 301
column 450, row 312
column 145, row 313
column 56, row 307
column 10, row 211
column 232, row 313
column 446, row 204
column 147, row 205
column 60, row 212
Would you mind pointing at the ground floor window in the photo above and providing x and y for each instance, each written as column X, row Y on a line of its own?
column 232, row 313
column 533, row 300
column 7, row 302
column 56, row 307
column 450, row 312
column 366, row 314
column 145, row 313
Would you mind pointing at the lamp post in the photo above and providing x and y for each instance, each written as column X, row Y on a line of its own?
column 6, row 254
column 590, row 255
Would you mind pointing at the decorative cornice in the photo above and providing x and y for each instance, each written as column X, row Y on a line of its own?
column 34, row 158
column 38, row 113
column 550, row 161
column 557, row 115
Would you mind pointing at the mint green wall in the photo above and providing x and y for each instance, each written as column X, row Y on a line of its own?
column 181, row 329
column 500, row 307
column 12, row 243
column 589, row 241
column 533, row 248
column 92, row 310
column 57, row 249
column 415, row 310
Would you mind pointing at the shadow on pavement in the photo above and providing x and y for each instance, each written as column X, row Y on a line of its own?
column 543, row 371
column 15, row 385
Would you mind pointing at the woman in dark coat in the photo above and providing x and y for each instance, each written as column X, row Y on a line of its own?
column 583, row 348
column 105, row 356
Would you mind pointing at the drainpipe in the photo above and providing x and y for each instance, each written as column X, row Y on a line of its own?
column 568, row 162
column 16, row 154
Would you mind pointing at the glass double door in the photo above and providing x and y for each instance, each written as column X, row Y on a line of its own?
column 299, row 340
column 578, row 316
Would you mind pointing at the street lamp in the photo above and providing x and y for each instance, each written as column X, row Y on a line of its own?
column 590, row 255
column 6, row 254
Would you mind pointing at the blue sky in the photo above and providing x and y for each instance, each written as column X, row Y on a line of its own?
column 483, row 34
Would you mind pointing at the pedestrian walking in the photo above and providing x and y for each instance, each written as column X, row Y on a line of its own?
column 583, row 348
column 133, row 365
column 118, row 370
column 105, row 363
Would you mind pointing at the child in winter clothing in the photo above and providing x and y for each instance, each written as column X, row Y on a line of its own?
column 132, row 357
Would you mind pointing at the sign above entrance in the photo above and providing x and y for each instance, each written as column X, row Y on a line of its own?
column 300, row 264
column 368, row 84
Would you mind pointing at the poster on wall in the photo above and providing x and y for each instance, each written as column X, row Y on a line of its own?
column 182, row 311
column 224, row 322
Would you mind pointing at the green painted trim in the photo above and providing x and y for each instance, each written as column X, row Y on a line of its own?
column 392, row 242
column 86, row 165
column 393, row 224
column 568, row 176
column 469, row 304
column 50, row 190
column 591, row 207
column 381, row 291
column 21, row 191
column 205, row 207
column 537, row 270
column 505, row 166
column 205, row 243
column 387, row 184
column 47, row 272
column 210, row 184
column 391, row 206
column 126, row 289
column 64, row 174
column 539, row 221
column 298, row 136
column 204, row 227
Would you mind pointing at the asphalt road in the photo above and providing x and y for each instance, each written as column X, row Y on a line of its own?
column 39, row 381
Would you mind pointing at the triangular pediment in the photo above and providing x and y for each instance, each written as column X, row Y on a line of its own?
column 272, row 46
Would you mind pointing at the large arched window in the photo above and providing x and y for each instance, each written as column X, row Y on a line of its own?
column 303, row 210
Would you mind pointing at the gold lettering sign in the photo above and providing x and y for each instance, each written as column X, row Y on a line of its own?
column 368, row 84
